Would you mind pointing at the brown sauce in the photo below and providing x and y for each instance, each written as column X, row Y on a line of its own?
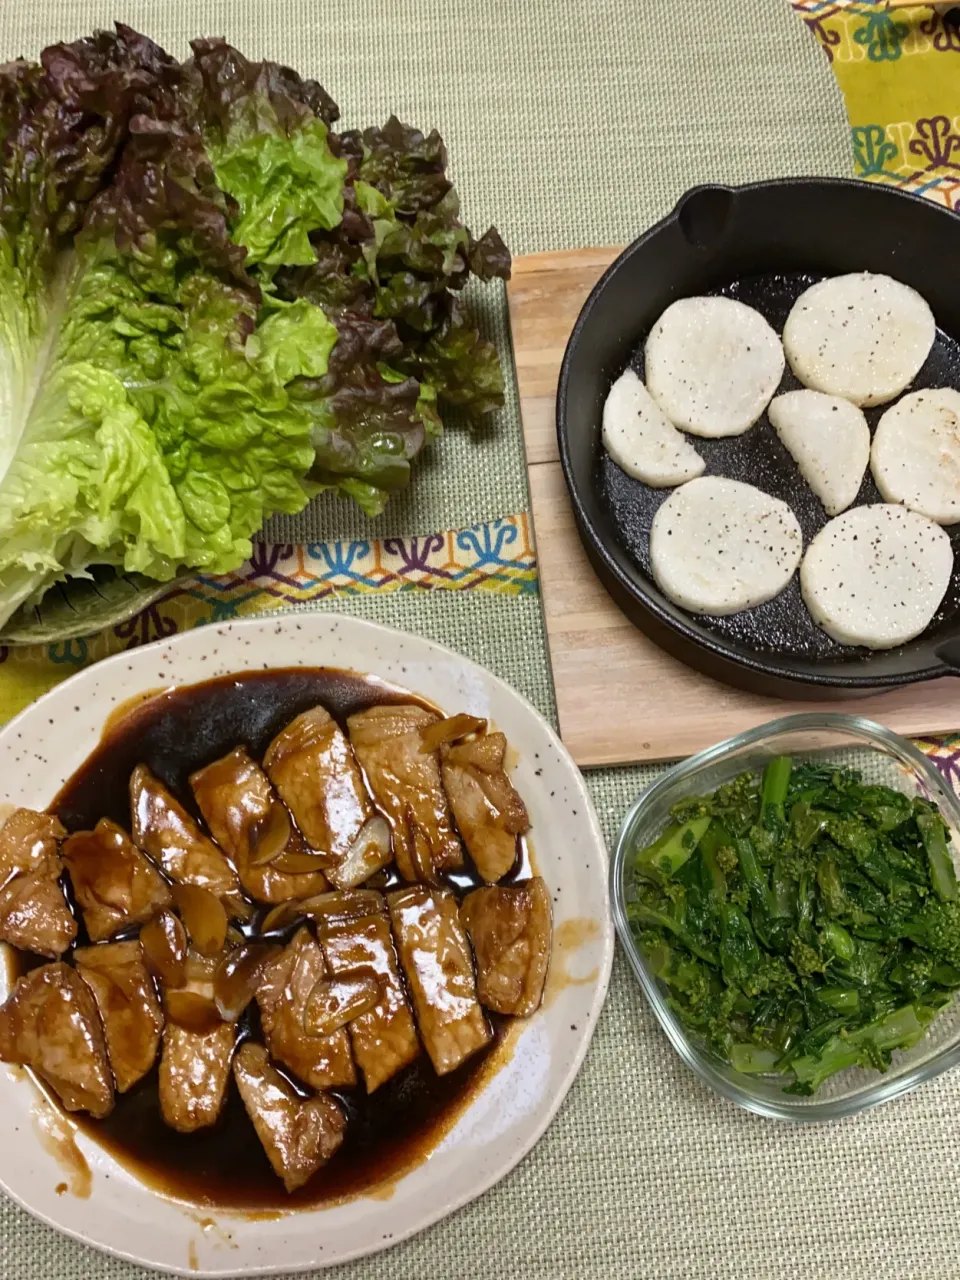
column 56, row 1137
column 389, row 1132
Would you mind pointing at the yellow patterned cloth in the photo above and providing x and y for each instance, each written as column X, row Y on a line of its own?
column 900, row 75
column 495, row 556
column 899, row 71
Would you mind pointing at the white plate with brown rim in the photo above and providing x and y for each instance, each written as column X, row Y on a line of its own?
column 69, row 1179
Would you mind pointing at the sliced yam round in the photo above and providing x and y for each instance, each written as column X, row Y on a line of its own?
column 642, row 441
column 712, row 365
column 876, row 575
column 829, row 440
column 718, row 546
column 915, row 458
column 863, row 337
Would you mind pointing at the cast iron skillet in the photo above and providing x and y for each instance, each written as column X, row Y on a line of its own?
column 764, row 244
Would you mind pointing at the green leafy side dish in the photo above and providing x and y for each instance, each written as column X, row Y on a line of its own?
column 212, row 306
column 801, row 922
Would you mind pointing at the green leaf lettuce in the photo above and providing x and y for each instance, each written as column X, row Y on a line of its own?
column 213, row 305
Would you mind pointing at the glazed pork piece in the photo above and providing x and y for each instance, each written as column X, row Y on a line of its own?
column 405, row 781
column 253, row 826
column 511, row 929
column 357, row 943
column 436, row 960
column 34, row 914
column 164, row 830
column 316, row 775
column 29, row 842
column 298, row 1134
column 50, row 1023
column 194, row 1073
column 114, row 883
column 198, row 1043
column 128, row 1006
column 324, row 1062
column 488, row 810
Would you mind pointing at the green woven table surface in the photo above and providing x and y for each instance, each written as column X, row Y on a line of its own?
column 569, row 125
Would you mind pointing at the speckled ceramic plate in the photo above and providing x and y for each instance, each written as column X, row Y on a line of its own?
column 43, row 1158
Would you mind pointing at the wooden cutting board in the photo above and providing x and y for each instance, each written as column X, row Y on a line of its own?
column 620, row 698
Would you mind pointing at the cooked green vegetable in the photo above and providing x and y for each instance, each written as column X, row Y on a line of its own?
column 802, row 922
column 205, row 295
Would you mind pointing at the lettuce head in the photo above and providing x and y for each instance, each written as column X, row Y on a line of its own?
column 211, row 307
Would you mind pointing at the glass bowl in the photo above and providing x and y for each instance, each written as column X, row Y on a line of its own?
column 882, row 757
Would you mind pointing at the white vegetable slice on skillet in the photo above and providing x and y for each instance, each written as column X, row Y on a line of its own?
column 829, row 440
column 916, row 454
column 712, row 365
column 642, row 441
column 875, row 576
column 718, row 546
column 863, row 337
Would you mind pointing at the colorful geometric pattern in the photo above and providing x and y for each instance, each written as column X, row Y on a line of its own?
column 899, row 71
column 945, row 754
column 497, row 556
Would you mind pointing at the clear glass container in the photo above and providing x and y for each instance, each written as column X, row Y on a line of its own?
column 882, row 757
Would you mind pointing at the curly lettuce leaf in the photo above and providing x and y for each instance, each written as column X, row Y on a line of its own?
column 149, row 426
column 462, row 365
column 415, row 263
column 266, row 133
column 365, row 226
column 285, row 188
column 408, row 167
column 489, row 257
column 238, row 98
column 389, row 277
column 368, row 419
column 62, row 124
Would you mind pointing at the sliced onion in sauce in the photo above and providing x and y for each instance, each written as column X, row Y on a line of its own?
column 238, row 907
column 293, row 863
column 203, row 915
column 369, row 853
column 486, row 754
column 163, row 941
column 334, row 1002
column 433, row 736
column 238, row 976
column 199, row 968
column 270, row 835
column 281, row 915
column 420, row 851
column 234, row 937
column 191, row 1011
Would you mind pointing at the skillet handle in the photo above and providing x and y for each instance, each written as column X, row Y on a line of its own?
column 703, row 214
column 949, row 654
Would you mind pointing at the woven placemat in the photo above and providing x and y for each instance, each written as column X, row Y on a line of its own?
column 571, row 124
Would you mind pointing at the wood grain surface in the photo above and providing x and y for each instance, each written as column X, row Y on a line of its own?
column 620, row 698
